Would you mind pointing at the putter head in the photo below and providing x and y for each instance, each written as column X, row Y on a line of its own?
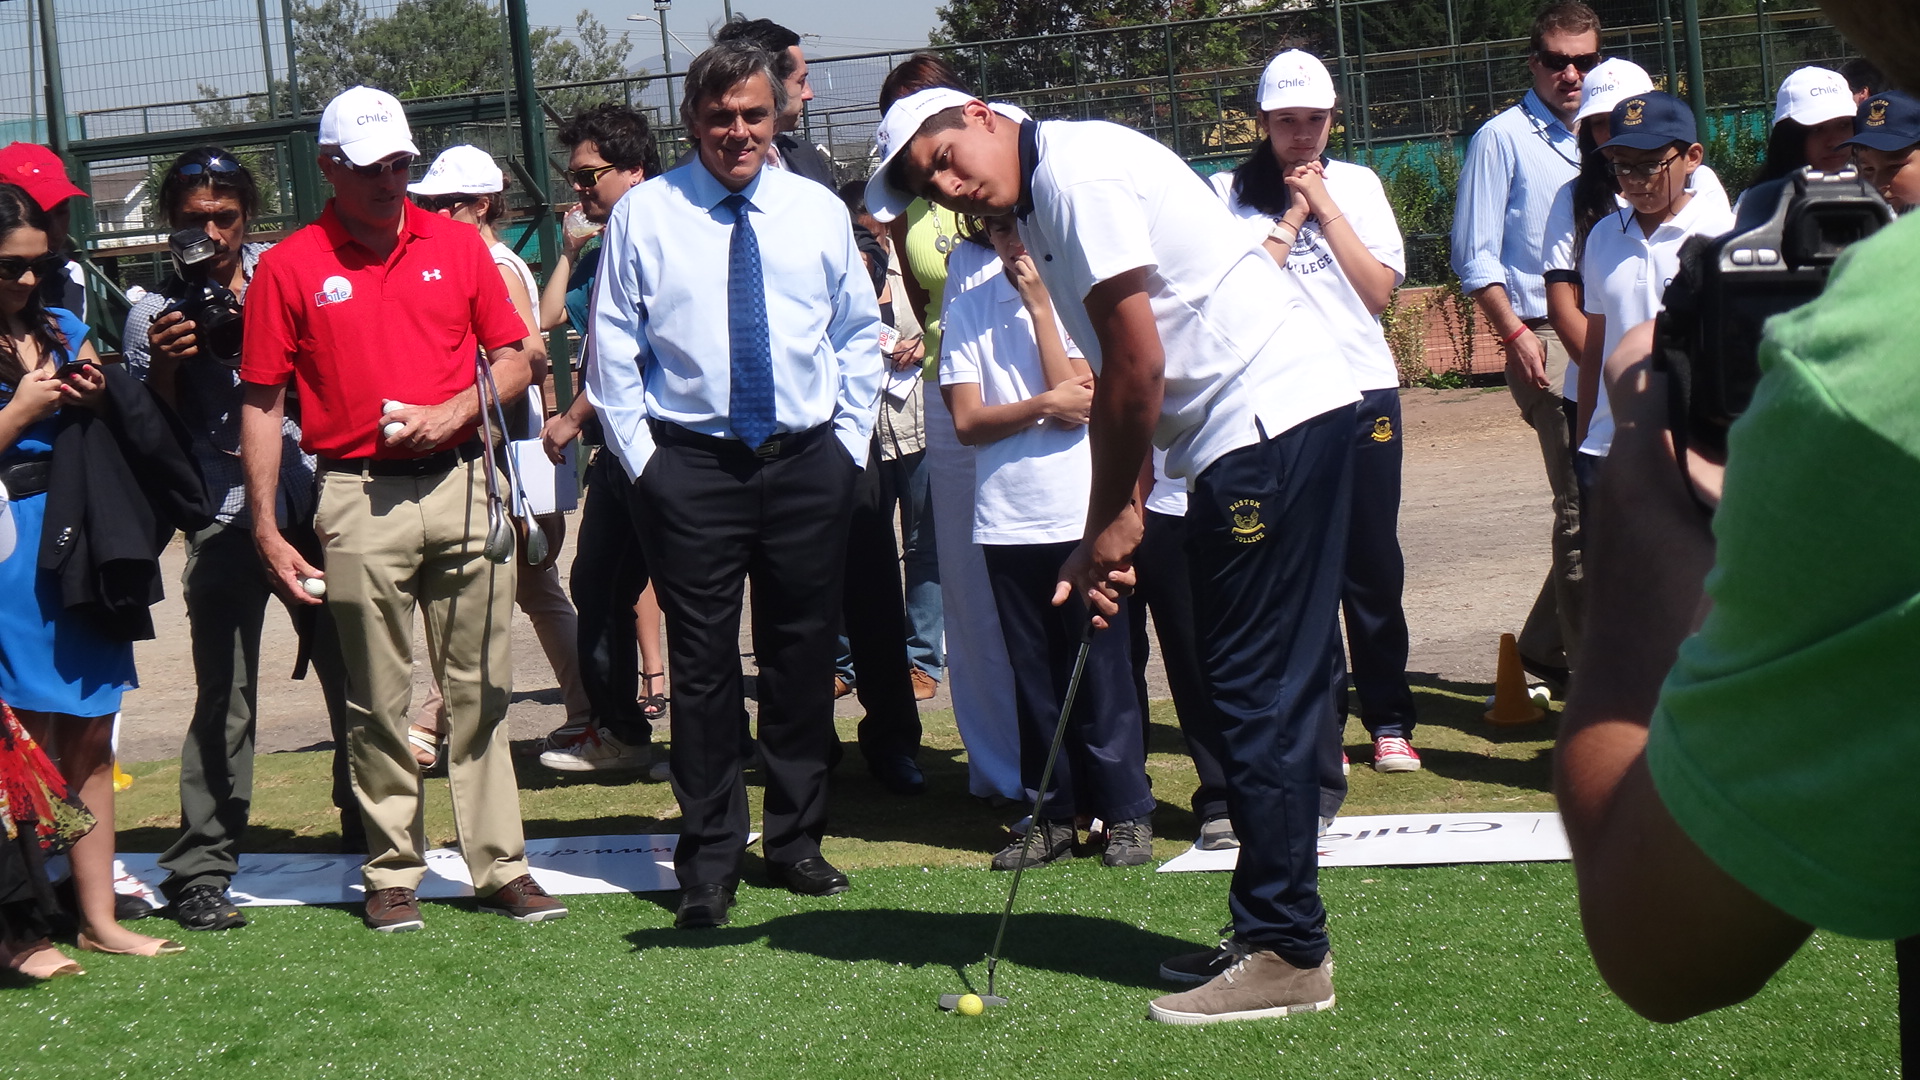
column 950, row 1002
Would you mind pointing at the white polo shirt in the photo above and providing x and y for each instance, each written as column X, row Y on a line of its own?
column 1030, row 487
column 1169, row 496
column 1626, row 273
column 1245, row 352
column 1558, row 253
column 1357, row 191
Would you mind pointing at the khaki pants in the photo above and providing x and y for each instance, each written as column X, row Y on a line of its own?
column 393, row 543
column 1552, row 630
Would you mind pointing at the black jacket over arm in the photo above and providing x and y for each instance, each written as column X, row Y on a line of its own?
column 121, row 481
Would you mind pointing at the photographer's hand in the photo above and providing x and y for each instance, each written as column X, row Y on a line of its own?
column 171, row 337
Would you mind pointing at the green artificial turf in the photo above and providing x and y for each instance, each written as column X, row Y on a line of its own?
column 1445, row 972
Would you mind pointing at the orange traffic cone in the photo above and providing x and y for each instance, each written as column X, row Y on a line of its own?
column 1511, row 705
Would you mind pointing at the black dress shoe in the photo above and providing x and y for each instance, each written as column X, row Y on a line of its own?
column 898, row 774
column 703, row 907
column 808, row 877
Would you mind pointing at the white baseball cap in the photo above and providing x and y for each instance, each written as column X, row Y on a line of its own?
column 902, row 122
column 461, row 170
column 1296, row 80
column 1813, row 95
column 367, row 125
column 1608, row 84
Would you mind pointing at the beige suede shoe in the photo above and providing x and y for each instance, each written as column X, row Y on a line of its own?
column 1260, row 985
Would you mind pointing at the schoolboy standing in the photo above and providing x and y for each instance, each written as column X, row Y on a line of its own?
column 1206, row 348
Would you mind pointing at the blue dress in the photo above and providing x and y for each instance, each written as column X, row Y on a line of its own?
column 51, row 660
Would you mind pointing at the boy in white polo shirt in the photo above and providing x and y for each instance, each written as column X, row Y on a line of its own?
column 1019, row 390
column 1328, row 223
column 1631, row 255
column 1206, row 348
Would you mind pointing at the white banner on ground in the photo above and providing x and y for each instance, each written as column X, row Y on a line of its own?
column 1418, row 840
column 564, row 866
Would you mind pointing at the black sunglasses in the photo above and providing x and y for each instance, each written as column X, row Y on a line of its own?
column 586, row 178
column 13, row 267
column 1553, row 61
column 437, row 203
column 379, row 168
column 219, row 165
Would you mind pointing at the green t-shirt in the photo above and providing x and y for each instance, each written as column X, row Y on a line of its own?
column 1788, row 733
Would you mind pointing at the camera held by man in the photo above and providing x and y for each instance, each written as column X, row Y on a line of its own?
column 206, row 303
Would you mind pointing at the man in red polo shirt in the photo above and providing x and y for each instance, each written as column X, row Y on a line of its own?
column 379, row 301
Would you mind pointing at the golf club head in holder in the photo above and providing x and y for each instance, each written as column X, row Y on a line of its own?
column 951, row 1002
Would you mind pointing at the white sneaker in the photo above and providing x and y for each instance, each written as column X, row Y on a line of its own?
column 595, row 749
column 1394, row 754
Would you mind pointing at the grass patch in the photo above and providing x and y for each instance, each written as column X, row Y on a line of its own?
column 1469, row 767
column 1445, row 972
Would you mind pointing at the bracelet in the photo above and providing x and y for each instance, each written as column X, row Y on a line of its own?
column 1329, row 221
column 1515, row 336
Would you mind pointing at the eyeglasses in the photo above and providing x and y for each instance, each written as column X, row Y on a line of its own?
column 1641, row 170
column 379, row 168
column 1553, row 61
column 586, row 178
column 219, row 165
column 13, row 267
column 437, row 203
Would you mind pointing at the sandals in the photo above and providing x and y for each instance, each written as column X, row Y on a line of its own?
column 38, row 961
column 653, row 706
column 153, row 946
column 426, row 746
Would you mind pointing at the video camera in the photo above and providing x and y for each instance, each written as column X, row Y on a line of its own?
column 1707, row 338
column 209, row 305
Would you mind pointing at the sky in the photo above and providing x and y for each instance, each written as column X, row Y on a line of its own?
column 121, row 53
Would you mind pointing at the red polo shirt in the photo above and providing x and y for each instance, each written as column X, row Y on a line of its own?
column 355, row 331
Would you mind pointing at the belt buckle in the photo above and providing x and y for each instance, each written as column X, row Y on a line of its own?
column 768, row 450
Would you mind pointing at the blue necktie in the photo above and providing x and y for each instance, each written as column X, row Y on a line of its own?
column 750, row 392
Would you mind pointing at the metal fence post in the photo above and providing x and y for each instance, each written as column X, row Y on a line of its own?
column 1696, row 66
column 1173, row 93
column 266, row 60
column 293, row 68
column 56, row 91
column 533, row 149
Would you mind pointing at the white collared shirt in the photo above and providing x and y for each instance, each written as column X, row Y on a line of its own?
column 1244, row 351
column 1626, row 272
column 1358, row 193
column 1032, row 486
column 660, row 343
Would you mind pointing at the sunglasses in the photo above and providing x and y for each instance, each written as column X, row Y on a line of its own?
column 1644, row 170
column 437, row 203
column 13, row 267
column 222, row 166
column 379, row 168
column 586, row 178
column 1582, row 63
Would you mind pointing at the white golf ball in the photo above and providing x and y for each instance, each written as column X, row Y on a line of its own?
column 393, row 428
column 1541, row 695
column 314, row 586
column 389, row 405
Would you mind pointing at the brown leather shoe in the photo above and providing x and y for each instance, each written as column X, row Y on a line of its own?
column 393, row 910
column 1259, row 985
column 841, row 688
column 924, row 685
column 523, row 900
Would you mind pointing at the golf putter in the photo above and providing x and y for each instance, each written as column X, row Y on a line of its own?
column 499, row 543
column 951, row 1002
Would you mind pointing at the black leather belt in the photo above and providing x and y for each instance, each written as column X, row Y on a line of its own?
column 430, row 465
column 778, row 446
column 27, row 478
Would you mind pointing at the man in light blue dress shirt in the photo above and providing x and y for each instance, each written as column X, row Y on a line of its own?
column 736, row 369
column 1514, row 167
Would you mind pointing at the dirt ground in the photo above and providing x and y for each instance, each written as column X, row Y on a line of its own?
column 1474, row 525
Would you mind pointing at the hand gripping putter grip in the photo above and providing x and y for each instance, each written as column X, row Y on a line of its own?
column 951, row 1002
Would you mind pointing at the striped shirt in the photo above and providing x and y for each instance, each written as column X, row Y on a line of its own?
column 1514, row 167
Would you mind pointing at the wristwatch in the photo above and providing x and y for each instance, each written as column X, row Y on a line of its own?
column 1283, row 232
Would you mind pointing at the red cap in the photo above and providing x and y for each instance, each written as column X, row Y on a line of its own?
column 38, row 170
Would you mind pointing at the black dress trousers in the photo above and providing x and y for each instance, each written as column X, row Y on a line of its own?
column 712, row 515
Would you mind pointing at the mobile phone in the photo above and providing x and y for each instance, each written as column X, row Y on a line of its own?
column 69, row 369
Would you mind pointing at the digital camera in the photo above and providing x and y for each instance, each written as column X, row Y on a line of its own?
column 209, row 305
column 1776, row 258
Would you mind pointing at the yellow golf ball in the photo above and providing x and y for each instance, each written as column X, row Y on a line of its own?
column 970, row 1005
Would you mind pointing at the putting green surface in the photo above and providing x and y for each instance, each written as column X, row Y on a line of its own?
column 1445, row 972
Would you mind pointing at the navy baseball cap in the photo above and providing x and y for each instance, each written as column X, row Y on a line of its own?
column 1889, row 121
column 1650, row 121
